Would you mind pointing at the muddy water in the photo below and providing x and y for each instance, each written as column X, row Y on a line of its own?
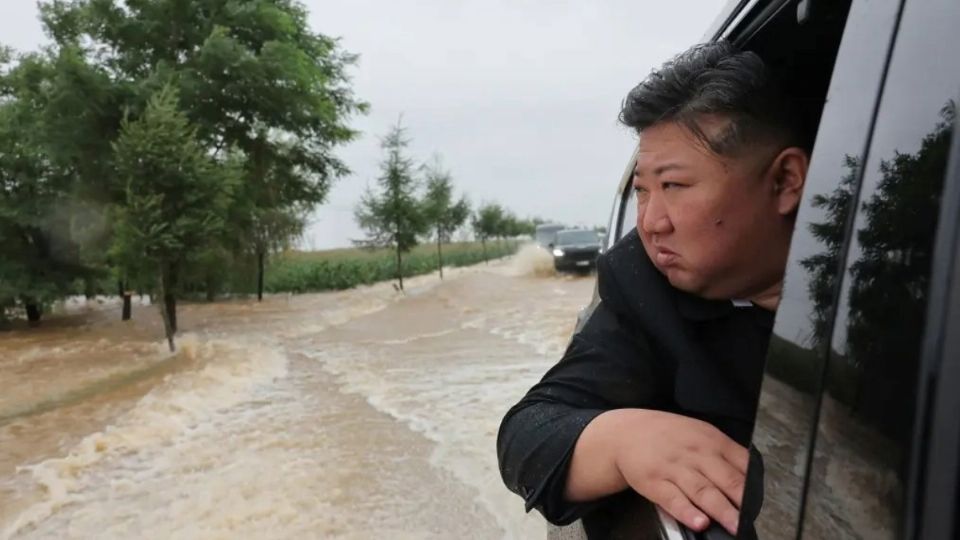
column 357, row 414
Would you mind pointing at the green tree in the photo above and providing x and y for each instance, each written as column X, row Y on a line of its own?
column 394, row 217
column 175, row 198
column 40, row 259
column 487, row 223
column 76, row 107
column 443, row 215
column 252, row 77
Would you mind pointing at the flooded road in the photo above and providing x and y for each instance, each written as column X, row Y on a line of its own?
column 354, row 414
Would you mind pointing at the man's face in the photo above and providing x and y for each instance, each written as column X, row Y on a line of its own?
column 715, row 226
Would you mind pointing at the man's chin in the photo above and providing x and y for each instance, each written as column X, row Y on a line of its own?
column 691, row 284
column 683, row 281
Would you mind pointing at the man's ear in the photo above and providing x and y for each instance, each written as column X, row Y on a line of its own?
column 789, row 172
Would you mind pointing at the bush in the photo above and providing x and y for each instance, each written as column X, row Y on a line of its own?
column 339, row 269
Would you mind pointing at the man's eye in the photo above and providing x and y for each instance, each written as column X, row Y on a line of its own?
column 670, row 185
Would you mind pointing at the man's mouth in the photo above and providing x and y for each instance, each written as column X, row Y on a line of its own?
column 664, row 256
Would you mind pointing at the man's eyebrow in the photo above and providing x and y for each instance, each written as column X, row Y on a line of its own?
column 660, row 169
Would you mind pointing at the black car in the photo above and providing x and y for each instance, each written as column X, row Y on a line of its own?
column 575, row 250
column 858, row 415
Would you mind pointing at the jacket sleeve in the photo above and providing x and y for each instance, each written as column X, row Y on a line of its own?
column 606, row 366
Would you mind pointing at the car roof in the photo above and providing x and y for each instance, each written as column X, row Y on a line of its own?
column 728, row 13
column 739, row 19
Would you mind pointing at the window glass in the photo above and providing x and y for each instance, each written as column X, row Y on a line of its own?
column 857, row 480
column 787, row 407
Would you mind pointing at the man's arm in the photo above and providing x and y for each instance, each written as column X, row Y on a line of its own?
column 602, row 369
column 592, row 428
column 596, row 424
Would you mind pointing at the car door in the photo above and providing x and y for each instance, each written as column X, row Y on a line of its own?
column 789, row 397
column 858, row 477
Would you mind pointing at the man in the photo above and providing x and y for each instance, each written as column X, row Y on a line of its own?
column 656, row 394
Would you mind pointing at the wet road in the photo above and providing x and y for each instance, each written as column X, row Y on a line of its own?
column 355, row 414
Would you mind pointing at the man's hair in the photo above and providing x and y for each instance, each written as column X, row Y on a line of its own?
column 716, row 79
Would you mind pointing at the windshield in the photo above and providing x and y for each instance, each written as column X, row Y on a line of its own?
column 565, row 238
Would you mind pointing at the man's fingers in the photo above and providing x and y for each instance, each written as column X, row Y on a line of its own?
column 725, row 476
column 675, row 503
column 737, row 455
column 703, row 493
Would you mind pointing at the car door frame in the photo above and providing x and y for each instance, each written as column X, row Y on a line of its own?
column 935, row 455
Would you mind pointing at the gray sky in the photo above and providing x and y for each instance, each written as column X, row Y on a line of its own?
column 520, row 98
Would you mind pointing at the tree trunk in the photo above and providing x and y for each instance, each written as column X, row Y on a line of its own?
column 439, row 254
column 170, row 298
column 89, row 291
column 168, row 327
column 260, row 257
column 399, row 268
column 34, row 311
column 211, row 287
column 125, row 294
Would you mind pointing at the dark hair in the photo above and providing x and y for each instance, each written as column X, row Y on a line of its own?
column 716, row 79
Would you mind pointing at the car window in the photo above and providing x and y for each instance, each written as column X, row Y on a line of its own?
column 857, row 481
column 787, row 407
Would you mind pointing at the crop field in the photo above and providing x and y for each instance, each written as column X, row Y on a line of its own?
column 305, row 271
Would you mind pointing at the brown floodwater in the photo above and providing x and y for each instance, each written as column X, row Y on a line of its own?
column 355, row 414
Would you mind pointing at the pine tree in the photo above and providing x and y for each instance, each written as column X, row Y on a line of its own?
column 175, row 198
column 393, row 217
column 442, row 215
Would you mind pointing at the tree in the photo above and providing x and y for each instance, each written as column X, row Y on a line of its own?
column 40, row 259
column 175, row 198
column 487, row 223
column 394, row 218
column 252, row 77
column 442, row 214
column 76, row 107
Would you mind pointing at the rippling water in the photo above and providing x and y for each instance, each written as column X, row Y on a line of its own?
column 356, row 414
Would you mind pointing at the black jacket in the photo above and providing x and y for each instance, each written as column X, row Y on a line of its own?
column 645, row 345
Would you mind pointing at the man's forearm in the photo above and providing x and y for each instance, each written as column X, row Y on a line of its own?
column 593, row 469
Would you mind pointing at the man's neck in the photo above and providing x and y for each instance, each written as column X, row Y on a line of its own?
column 769, row 298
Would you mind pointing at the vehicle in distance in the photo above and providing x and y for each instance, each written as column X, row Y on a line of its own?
column 575, row 250
column 546, row 233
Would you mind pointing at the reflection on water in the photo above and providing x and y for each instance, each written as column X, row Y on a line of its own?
column 356, row 414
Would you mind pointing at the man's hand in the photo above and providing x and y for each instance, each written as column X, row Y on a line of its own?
column 688, row 467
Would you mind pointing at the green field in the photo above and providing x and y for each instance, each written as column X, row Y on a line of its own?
column 305, row 271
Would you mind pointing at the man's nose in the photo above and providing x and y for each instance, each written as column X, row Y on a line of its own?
column 653, row 217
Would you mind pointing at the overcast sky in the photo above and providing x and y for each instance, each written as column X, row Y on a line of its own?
column 519, row 98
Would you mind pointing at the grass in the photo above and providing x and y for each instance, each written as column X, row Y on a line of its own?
column 336, row 269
